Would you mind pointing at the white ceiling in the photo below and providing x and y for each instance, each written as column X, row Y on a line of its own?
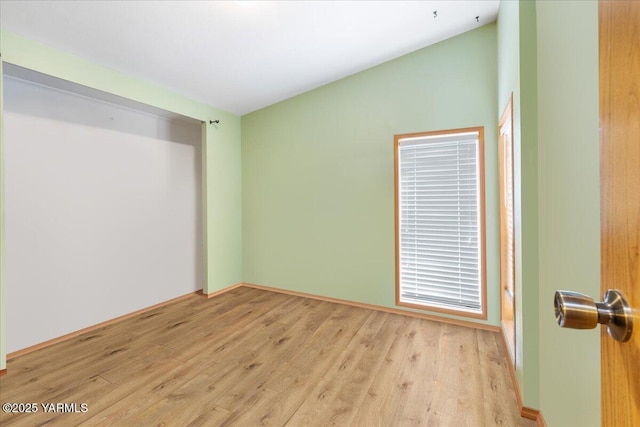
column 241, row 56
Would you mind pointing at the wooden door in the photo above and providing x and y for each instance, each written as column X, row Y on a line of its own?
column 619, row 23
column 507, row 244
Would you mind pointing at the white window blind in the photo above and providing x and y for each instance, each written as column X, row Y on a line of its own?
column 439, row 218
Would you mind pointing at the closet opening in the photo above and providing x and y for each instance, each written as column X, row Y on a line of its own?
column 103, row 206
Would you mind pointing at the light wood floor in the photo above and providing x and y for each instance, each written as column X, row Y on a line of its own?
column 251, row 357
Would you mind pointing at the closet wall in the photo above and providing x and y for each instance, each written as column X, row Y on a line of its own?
column 221, row 195
column 103, row 210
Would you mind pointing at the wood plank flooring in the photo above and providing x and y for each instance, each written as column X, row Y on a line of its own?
column 251, row 357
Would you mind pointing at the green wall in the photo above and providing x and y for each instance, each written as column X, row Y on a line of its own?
column 221, row 152
column 548, row 57
column 3, row 306
column 517, row 58
column 527, row 172
column 317, row 170
column 569, row 205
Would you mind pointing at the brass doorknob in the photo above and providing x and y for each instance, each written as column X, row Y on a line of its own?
column 578, row 311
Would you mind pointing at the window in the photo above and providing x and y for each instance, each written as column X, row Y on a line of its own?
column 439, row 197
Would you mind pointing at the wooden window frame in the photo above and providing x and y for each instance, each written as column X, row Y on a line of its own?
column 481, row 217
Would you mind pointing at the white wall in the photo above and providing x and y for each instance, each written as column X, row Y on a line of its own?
column 103, row 211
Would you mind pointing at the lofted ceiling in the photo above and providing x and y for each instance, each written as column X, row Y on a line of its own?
column 241, row 56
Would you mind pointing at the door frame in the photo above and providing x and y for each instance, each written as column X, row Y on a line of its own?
column 509, row 335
